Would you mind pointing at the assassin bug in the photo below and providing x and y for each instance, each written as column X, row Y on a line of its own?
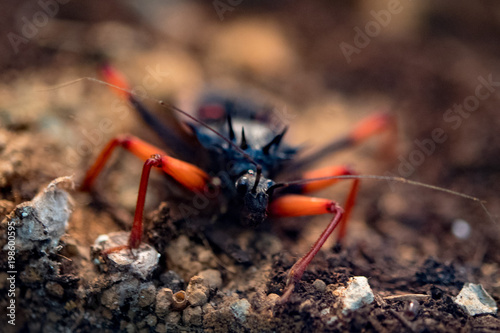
column 249, row 161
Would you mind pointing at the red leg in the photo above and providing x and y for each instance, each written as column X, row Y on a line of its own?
column 188, row 175
column 135, row 237
column 297, row 205
column 136, row 232
column 370, row 126
column 321, row 184
column 378, row 123
column 365, row 129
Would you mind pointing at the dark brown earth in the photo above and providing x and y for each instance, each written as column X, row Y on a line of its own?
column 429, row 57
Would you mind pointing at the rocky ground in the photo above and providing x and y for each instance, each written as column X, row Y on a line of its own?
column 416, row 247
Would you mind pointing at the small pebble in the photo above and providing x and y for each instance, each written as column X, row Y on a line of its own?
column 212, row 278
column 240, row 309
column 173, row 318
column 151, row 320
column 41, row 222
column 110, row 299
column 192, row 316
column 357, row 294
column 319, row 285
column 207, row 308
column 272, row 299
column 306, row 305
column 197, row 291
column 163, row 302
column 147, row 295
column 102, row 239
column 475, row 300
column 118, row 294
column 197, row 298
column 141, row 264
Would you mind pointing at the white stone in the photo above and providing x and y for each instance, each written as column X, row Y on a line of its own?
column 41, row 222
column 356, row 294
column 240, row 309
column 102, row 239
column 475, row 300
column 141, row 262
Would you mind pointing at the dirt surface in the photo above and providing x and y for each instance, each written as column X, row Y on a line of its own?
column 427, row 63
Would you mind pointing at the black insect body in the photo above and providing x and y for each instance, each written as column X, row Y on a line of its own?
column 229, row 148
column 237, row 174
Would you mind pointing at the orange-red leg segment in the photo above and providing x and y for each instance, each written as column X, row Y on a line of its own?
column 188, row 175
column 300, row 205
column 135, row 237
column 293, row 205
column 337, row 170
column 136, row 233
column 365, row 129
column 370, row 126
column 321, row 184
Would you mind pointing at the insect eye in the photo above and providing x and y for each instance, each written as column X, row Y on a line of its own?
column 242, row 185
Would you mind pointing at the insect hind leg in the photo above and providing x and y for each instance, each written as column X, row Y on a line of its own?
column 364, row 130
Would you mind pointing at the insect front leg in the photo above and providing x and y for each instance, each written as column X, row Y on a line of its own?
column 189, row 176
column 312, row 186
column 300, row 205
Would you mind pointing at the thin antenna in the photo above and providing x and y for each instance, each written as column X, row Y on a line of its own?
column 258, row 167
column 389, row 178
